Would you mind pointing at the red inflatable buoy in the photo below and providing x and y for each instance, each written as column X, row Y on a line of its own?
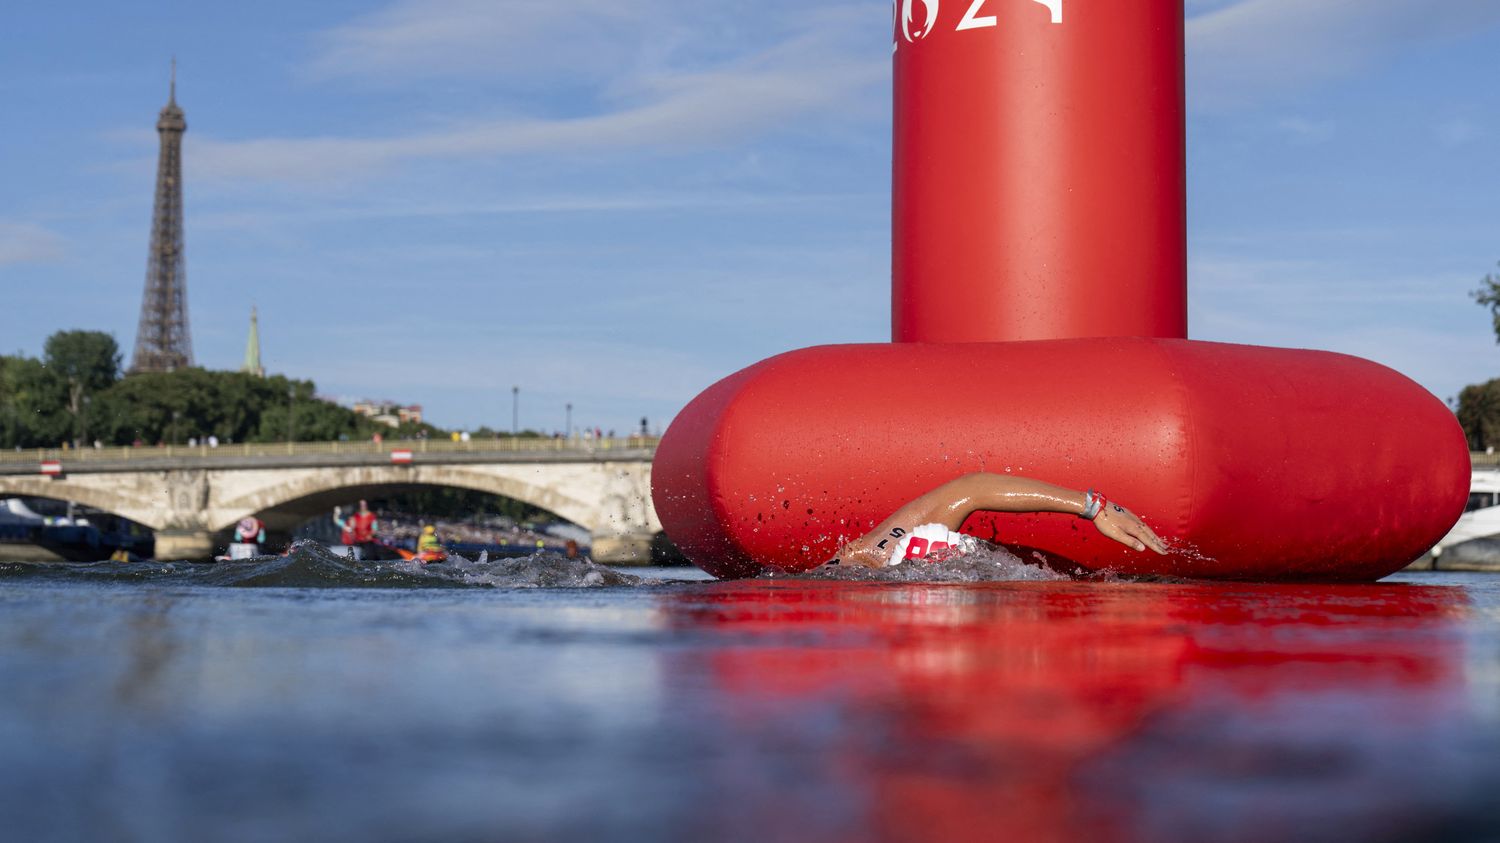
column 1039, row 313
column 1261, row 463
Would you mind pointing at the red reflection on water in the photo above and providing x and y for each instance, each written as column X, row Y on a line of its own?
column 1021, row 711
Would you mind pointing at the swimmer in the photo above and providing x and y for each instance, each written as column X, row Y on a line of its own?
column 929, row 523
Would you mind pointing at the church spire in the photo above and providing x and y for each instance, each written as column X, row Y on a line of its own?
column 252, row 348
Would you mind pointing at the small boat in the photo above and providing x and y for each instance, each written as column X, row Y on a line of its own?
column 431, row 556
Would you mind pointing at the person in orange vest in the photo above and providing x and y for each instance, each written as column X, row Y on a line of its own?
column 429, row 549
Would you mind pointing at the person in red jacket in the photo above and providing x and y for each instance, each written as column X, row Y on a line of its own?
column 358, row 530
column 346, row 532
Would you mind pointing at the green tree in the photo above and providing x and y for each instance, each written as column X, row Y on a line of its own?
column 1479, row 414
column 88, row 362
column 33, row 405
column 1488, row 296
column 77, row 393
column 9, row 414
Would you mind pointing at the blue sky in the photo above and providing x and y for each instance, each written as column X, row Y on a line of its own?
column 615, row 204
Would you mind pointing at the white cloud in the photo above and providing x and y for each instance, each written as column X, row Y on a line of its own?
column 1306, row 288
column 645, row 105
column 1203, row 7
column 1304, row 131
column 1458, row 132
column 26, row 243
column 608, row 373
column 302, row 213
column 1424, row 327
column 1256, row 49
column 431, row 38
column 520, row 43
column 706, row 110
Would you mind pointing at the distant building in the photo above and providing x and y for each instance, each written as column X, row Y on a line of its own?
column 389, row 413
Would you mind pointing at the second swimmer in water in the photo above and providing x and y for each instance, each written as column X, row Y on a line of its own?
column 929, row 524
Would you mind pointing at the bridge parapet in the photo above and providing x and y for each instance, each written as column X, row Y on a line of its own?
column 284, row 454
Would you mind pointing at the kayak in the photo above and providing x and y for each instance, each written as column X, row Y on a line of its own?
column 426, row 557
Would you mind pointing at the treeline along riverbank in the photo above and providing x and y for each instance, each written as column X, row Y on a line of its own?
column 76, row 393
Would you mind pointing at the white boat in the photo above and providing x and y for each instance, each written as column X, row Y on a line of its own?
column 1481, row 518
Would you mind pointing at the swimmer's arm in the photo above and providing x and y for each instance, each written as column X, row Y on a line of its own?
column 953, row 502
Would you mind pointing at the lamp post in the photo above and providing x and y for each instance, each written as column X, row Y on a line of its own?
column 515, row 411
column 568, row 426
column 291, row 394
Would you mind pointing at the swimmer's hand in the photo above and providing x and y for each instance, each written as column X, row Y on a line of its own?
column 1120, row 524
column 855, row 555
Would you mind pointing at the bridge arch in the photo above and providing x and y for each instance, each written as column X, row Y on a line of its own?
column 309, row 494
column 100, row 498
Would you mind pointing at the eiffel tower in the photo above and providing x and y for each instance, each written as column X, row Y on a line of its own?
column 162, row 342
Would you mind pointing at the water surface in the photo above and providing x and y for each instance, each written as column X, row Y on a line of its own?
column 549, row 700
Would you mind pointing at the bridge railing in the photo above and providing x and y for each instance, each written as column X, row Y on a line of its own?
column 36, row 456
column 282, row 449
column 1484, row 459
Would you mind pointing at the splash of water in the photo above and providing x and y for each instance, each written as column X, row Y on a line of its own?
column 311, row 565
column 984, row 564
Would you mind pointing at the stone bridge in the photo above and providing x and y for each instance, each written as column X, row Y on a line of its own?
column 193, row 496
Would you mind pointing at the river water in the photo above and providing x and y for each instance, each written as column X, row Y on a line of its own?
column 542, row 699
